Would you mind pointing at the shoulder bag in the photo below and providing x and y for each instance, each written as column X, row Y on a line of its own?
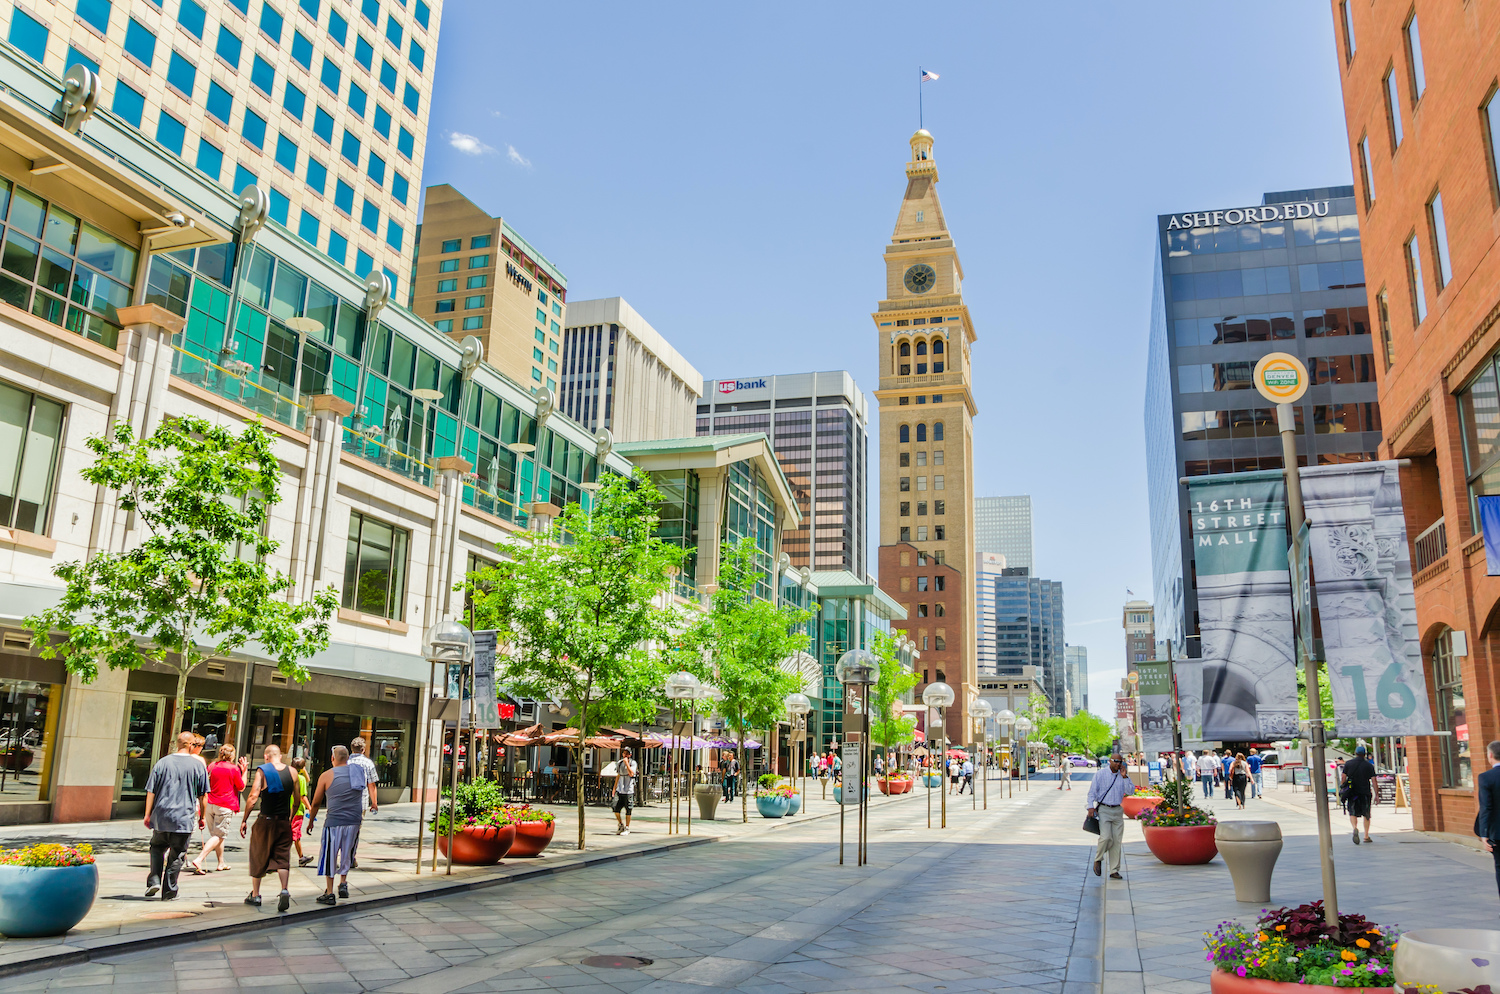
column 1091, row 823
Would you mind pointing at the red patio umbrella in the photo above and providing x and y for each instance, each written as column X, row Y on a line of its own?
column 523, row 737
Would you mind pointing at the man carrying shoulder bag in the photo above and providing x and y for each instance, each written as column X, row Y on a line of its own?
column 1109, row 789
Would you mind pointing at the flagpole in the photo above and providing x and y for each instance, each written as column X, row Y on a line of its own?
column 920, row 123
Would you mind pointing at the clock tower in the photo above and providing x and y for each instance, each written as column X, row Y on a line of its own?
column 923, row 334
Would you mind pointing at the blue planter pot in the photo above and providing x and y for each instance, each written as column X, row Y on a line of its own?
column 838, row 794
column 773, row 805
column 45, row 900
column 932, row 780
column 796, row 800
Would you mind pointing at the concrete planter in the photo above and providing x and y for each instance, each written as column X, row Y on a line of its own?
column 45, row 900
column 1249, row 849
column 1133, row 806
column 1448, row 959
column 931, row 780
column 1183, row 845
column 898, row 786
column 796, row 800
column 773, row 805
column 708, row 797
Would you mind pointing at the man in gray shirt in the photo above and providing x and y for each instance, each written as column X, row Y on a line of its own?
column 175, row 795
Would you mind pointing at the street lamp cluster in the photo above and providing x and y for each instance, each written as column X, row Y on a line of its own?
column 683, row 686
column 858, row 668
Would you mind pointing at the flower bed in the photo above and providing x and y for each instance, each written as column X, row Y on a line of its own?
column 1297, row 947
column 534, row 829
column 46, row 889
column 1177, row 832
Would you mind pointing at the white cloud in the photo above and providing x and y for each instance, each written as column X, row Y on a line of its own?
column 468, row 144
column 517, row 157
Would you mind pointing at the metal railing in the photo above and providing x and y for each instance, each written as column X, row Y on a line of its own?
column 239, row 385
column 391, row 457
column 1430, row 546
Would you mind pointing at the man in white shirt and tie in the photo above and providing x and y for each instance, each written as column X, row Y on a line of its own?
column 1110, row 787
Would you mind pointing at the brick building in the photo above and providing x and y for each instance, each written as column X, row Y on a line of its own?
column 1419, row 84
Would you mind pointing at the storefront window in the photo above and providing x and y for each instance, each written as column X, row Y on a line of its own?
column 209, row 719
column 390, row 751
column 28, row 723
column 1447, row 677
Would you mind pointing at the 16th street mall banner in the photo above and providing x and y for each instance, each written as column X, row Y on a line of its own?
column 1362, row 572
column 1244, row 606
column 1156, row 705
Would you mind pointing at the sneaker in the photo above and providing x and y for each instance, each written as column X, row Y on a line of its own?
column 253, row 900
column 619, row 829
column 284, row 901
column 1356, row 836
column 344, row 891
column 328, row 899
column 306, row 861
column 625, row 831
column 151, row 889
column 353, row 863
column 169, row 895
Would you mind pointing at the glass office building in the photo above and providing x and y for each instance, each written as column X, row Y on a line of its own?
column 1232, row 285
column 1029, row 631
column 1003, row 525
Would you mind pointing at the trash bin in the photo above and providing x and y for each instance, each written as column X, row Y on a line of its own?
column 708, row 795
column 1249, row 849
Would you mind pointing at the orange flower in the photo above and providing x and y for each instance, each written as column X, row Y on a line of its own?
column 1281, row 928
column 1348, row 955
column 1362, row 943
column 1262, row 936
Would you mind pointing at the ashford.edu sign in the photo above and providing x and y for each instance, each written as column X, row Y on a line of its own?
column 730, row 386
column 1248, row 215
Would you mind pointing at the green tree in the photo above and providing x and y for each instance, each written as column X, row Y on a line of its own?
column 745, row 640
column 1085, row 732
column 575, row 618
column 197, row 585
column 887, row 728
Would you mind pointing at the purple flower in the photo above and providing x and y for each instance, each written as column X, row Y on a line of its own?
column 1240, row 970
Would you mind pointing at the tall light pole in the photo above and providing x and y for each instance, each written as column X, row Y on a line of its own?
column 858, row 668
column 980, row 710
column 680, row 686
column 449, row 643
column 940, row 696
column 1005, row 718
column 797, row 706
column 1024, row 725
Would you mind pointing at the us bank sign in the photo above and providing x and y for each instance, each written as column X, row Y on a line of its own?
column 1249, row 215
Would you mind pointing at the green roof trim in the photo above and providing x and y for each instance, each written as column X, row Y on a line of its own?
column 697, row 443
column 536, row 256
column 842, row 583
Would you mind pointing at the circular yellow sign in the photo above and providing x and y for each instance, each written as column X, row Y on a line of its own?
column 1281, row 378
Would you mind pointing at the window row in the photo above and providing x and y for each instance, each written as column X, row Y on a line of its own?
column 937, row 483
column 937, row 398
column 904, row 458
column 906, row 435
column 1208, row 377
column 1322, row 323
column 1253, row 237
column 1261, row 421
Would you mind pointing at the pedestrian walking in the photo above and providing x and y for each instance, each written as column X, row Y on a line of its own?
column 275, row 786
column 624, row 802
column 226, row 780
column 1355, row 793
column 730, row 779
column 358, row 758
column 1064, row 771
column 1255, row 762
column 299, row 811
column 344, row 789
column 955, row 774
column 1110, row 787
column 175, row 793
column 1225, row 762
column 1487, row 824
column 966, row 774
column 1207, row 764
column 1239, row 776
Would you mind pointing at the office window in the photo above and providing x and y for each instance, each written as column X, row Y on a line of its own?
column 313, row 8
column 243, row 6
column 363, row 263
column 1393, row 108
column 937, row 483
column 447, row 286
column 399, row 187
column 95, row 13
column 477, row 282
column 1489, row 122
column 388, row 75
column 262, row 75
column 28, row 35
column 364, row 52
column 338, row 28
column 393, row 31
column 294, row 101
column 478, row 261
column 395, row 234
column 905, row 484
column 1452, row 714
column 307, row 228
column 77, row 58
column 452, row 245
column 338, row 247
column 382, row 121
column 1367, row 179
column 375, row 168
column 254, row 129
column 472, row 302
column 416, row 55
column 189, row 15
column 445, row 306
column 140, row 43
column 286, row 153
column 210, row 160
column 375, row 568
column 539, row 335
column 302, row 50
column 369, row 216
column 411, row 98
column 357, row 99
column 323, row 125
column 939, row 506
column 1383, row 315
column 1414, row 276
column 228, row 47
column 350, row 148
column 405, row 143
column 243, row 177
column 448, row 266
column 537, row 355
column 1439, row 228
column 271, row 22
column 182, row 74
column 317, row 174
column 423, row 13
column 551, row 365
column 331, row 76
column 280, row 205
column 1346, row 18
column 445, row 325
column 30, row 440
column 905, row 533
column 479, row 242
column 343, row 197
column 474, row 323
column 371, row 10
column 1414, row 60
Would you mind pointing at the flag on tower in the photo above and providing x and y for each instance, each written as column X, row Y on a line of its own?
column 928, row 74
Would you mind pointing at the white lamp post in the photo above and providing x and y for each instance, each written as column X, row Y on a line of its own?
column 447, row 643
column 939, row 696
column 1005, row 718
column 1024, row 725
column 980, row 710
column 857, row 668
column 680, row 686
column 798, row 706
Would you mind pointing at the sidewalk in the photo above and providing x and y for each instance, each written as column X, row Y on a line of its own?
column 1155, row 918
column 123, row 919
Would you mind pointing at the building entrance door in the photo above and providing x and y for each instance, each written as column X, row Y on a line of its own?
column 138, row 745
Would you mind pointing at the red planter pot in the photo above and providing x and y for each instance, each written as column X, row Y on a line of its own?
column 1133, row 805
column 1186, row 845
column 532, row 837
column 1227, row 983
column 889, row 787
column 479, row 846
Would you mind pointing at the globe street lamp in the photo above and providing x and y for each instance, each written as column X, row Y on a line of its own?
column 1005, row 718
column 798, row 706
column 680, row 686
column 980, row 710
column 1024, row 725
column 447, row 643
column 938, row 696
column 857, row 668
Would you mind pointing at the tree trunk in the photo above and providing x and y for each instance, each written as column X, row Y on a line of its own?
column 583, row 714
column 182, row 678
column 745, row 781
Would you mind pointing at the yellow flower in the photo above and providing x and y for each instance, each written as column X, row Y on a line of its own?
column 1362, row 943
column 1347, row 955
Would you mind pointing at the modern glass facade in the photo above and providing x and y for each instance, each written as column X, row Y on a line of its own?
column 1029, row 631
column 1003, row 525
column 1077, row 657
column 1230, row 286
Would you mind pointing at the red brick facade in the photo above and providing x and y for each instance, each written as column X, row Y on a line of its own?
column 902, row 573
column 1443, row 150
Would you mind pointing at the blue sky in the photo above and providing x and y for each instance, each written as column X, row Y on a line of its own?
column 734, row 172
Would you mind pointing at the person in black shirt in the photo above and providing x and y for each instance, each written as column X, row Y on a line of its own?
column 1487, row 824
column 1355, row 791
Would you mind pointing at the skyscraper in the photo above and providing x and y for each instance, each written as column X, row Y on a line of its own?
column 923, row 336
column 1139, row 622
column 619, row 373
column 990, row 567
column 1003, row 525
column 323, row 105
column 1231, row 286
column 818, row 423
column 1077, row 661
column 1029, row 631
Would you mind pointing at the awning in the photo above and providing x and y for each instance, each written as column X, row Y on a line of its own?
column 523, row 737
column 569, row 736
column 920, row 735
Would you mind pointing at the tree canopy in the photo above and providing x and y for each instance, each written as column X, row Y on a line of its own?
column 887, row 728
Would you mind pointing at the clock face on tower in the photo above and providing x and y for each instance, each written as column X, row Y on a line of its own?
column 920, row 278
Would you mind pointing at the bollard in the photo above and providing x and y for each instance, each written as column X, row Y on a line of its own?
column 1249, row 849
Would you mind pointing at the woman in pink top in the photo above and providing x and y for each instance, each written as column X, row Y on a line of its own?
column 226, row 779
